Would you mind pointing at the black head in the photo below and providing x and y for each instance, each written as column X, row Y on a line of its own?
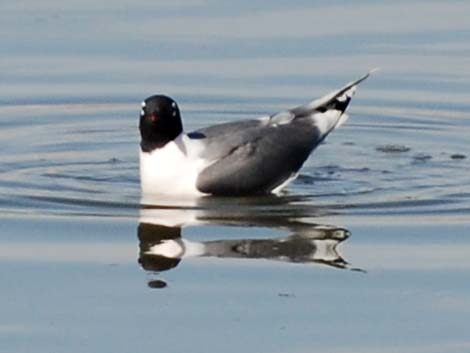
column 160, row 122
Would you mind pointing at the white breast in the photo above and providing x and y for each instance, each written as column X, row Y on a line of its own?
column 172, row 169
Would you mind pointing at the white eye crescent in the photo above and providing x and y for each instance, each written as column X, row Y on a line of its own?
column 143, row 104
column 173, row 105
column 142, row 113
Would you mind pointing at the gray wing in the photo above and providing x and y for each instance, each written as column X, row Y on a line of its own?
column 254, row 156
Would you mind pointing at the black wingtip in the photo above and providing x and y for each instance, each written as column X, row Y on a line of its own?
column 341, row 99
column 335, row 104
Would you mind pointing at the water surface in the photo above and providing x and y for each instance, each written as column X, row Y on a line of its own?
column 367, row 251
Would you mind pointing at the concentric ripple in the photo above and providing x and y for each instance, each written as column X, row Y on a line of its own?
column 81, row 159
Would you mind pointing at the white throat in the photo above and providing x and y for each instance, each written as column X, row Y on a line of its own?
column 172, row 169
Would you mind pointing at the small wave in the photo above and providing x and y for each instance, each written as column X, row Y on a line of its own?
column 458, row 156
column 422, row 157
column 393, row 148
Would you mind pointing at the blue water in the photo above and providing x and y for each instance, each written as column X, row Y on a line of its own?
column 367, row 251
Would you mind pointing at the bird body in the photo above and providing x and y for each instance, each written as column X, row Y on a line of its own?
column 257, row 156
column 173, row 169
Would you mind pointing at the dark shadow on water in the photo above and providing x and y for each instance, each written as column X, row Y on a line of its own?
column 163, row 244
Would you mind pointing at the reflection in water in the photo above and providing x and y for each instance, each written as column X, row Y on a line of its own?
column 163, row 246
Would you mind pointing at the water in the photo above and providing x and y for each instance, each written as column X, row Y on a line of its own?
column 367, row 251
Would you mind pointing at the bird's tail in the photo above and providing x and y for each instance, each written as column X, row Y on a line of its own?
column 336, row 100
column 328, row 112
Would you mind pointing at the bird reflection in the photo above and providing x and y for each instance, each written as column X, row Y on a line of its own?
column 162, row 246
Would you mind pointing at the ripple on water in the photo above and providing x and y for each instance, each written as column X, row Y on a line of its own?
column 84, row 168
column 458, row 156
column 393, row 148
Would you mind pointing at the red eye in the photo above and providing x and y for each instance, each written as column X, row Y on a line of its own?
column 153, row 117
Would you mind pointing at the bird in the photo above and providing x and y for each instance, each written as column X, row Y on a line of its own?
column 258, row 156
